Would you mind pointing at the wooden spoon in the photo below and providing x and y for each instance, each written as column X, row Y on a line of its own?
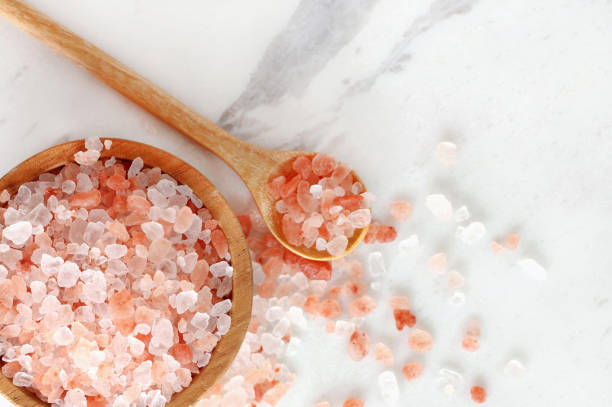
column 242, row 295
column 255, row 165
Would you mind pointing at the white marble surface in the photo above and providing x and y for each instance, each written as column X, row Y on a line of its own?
column 523, row 87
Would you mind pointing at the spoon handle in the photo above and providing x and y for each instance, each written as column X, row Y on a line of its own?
column 250, row 162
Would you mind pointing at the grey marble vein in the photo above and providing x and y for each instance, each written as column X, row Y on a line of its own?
column 316, row 32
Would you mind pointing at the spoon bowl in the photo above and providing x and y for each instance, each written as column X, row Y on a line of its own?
column 253, row 164
column 242, row 290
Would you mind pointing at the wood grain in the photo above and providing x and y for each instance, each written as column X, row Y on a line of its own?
column 242, row 293
column 253, row 164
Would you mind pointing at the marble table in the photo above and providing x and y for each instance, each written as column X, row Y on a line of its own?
column 524, row 89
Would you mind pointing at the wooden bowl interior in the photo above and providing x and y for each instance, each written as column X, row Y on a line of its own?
column 228, row 346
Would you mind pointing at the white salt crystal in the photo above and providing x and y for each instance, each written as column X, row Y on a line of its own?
column 136, row 346
column 84, row 183
column 142, row 329
column 296, row 317
column 316, row 190
column 22, row 379
column 200, row 320
column 274, row 314
column 166, row 187
column 162, row 333
column 158, row 401
column 446, row 152
column 63, row 336
column 376, row 264
column 320, row 244
column 108, row 144
column 462, row 214
column 18, row 233
column 360, row 218
column 221, row 269
column 387, row 385
column 68, row 274
column 26, row 348
column 439, row 206
column 293, row 346
column 116, row 267
column 471, row 233
column 457, row 299
column 532, row 269
column 185, row 300
column 94, row 289
column 337, row 246
column 68, row 186
column 155, row 213
column 135, row 168
column 376, row 285
column 157, row 199
column 120, row 401
column 89, row 157
column 93, row 143
column 50, row 265
column 115, row 251
column 223, row 324
column 270, row 344
column 142, row 374
column 49, row 304
column 222, row 307
column 412, row 242
column 3, row 272
column 515, row 369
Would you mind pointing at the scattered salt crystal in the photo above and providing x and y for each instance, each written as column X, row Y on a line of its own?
column 222, row 307
column 446, row 152
column 18, row 233
column 387, row 385
column 455, row 279
column 316, row 190
column 412, row 242
column 439, row 206
column 515, row 369
column 376, row 264
column 457, row 299
column 68, row 274
column 108, row 144
column 185, row 300
column 438, row 263
column 462, row 214
column 471, row 233
column 360, row 218
column 532, row 269
column 135, row 168
column 63, row 336
column 93, row 143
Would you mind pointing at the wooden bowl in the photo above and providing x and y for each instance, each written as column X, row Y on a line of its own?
column 242, row 292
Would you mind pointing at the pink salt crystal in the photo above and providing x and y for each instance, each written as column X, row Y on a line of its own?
column 337, row 246
column 63, row 336
column 420, row 341
column 4, row 196
column 362, row 306
column 412, row 370
column 399, row 303
column 184, row 220
column 39, row 290
column 219, row 242
column 438, row 263
column 118, row 230
column 360, row 218
column 330, row 309
column 383, row 354
column 455, row 279
column 87, row 200
column 353, row 402
column 185, row 300
column 153, row 230
column 400, row 210
column 323, row 164
column 497, row 248
column 68, row 274
column 512, row 241
column 470, row 343
column 158, row 250
column 359, row 345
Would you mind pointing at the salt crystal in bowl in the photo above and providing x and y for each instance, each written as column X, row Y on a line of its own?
column 241, row 296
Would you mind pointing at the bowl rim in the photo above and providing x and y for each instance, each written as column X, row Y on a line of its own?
column 242, row 283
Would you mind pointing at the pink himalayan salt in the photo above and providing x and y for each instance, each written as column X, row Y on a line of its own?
column 352, row 289
column 359, row 345
column 470, row 344
column 438, row 263
column 478, row 394
column 353, row 402
column 399, row 303
column 330, row 309
column 317, row 204
column 67, row 321
column 420, row 341
column 512, row 241
column 455, row 279
column 400, row 210
column 412, row 370
column 184, row 220
column 362, row 306
column 383, row 354
column 379, row 233
column 497, row 248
